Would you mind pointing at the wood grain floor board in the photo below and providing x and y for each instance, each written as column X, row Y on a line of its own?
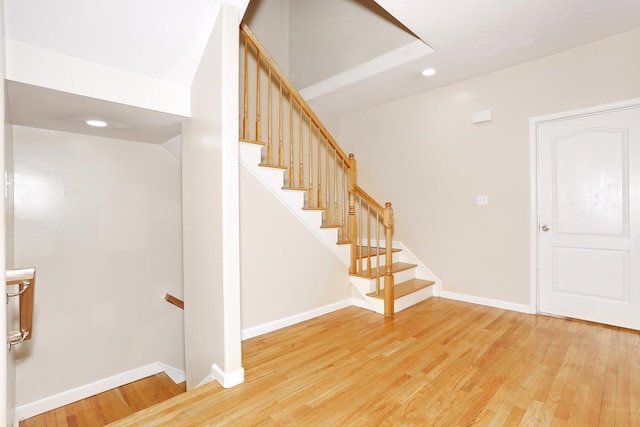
column 109, row 406
column 439, row 363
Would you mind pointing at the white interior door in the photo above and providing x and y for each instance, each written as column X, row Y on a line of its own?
column 589, row 217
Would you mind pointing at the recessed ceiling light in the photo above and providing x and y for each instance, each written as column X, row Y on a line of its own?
column 96, row 123
column 428, row 72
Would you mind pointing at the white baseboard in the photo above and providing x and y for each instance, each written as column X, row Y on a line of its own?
column 359, row 302
column 57, row 400
column 505, row 305
column 255, row 331
column 178, row 376
column 208, row 379
column 227, row 379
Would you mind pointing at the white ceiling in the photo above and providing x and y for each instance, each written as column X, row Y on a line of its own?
column 472, row 37
column 44, row 108
column 163, row 39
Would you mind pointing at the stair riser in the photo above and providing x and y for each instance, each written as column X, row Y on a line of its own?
column 403, row 302
column 365, row 286
column 414, row 298
column 403, row 276
column 374, row 261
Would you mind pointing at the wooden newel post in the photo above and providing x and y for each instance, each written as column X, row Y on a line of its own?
column 352, row 224
column 389, row 308
column 352, row 233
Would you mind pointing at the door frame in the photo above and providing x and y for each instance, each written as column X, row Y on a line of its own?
column 534, row 213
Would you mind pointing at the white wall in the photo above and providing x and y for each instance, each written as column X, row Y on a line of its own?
column 269, row 21
column 100, row 220
column 211, row 209
column 423, row 154
column 331, row 36
column 276, row 24
column 41, row 67
column 285, row 269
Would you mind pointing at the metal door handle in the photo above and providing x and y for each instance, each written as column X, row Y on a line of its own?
column 545, row 228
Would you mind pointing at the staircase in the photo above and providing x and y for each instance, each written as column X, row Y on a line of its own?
column 294, row 156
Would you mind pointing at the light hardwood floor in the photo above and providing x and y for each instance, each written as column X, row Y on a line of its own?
column 111, row 405
column 440, row 363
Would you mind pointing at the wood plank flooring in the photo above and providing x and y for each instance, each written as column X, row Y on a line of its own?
column 111, row 405
column 439, row 363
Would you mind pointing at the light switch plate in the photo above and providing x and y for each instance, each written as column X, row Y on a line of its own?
column 482, row 200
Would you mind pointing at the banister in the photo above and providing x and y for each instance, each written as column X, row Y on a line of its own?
column 297, row 138
column 175, row 301
column 367, row 198
column 294, row 92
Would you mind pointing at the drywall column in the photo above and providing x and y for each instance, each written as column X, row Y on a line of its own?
column 211, row 212
column 4, row 405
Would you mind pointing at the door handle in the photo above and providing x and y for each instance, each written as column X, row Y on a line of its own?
column 546, row 228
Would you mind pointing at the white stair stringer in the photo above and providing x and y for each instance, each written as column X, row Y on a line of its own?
column 422, row 271
column 365, row 285
column 273, row 179
column 405, row 255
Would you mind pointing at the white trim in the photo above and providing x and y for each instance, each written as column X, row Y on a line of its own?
column 208, row 379
column 255, row 331
column 177, row 375
column 227, row 379
column 66, row 397
column 361, row 303
column 294, row 204
column 505, row 305
column 231, row 316
column 533, row 216
column 534, row 213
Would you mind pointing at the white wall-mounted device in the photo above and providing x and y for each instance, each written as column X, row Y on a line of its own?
column 481, row 116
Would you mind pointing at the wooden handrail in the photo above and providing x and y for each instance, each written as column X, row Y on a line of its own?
column 370, row 200
column 175, row 301
column 264, row 56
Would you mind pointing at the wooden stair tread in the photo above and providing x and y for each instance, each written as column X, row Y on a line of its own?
column 313, row 209
column 405, row 288
column 331, row 226
column 295, row 188
column 268, row 165
column 343, row 242
column 368, row 251
column 395, row 267
column 252, row 141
